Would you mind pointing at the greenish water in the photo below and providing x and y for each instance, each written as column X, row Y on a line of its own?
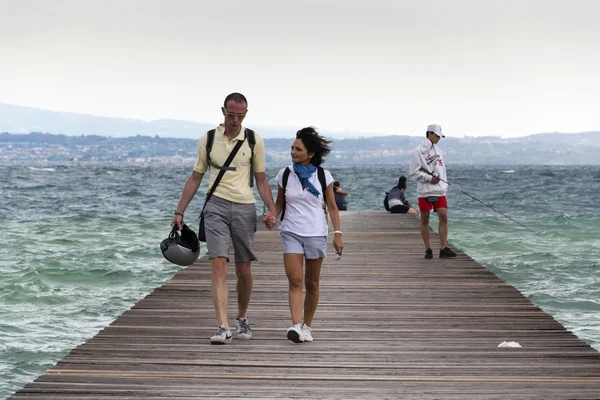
column 80, row 244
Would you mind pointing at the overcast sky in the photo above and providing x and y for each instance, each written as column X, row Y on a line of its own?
column 477, row 67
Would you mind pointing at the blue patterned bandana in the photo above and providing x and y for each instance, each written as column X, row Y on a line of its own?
column 305, row 172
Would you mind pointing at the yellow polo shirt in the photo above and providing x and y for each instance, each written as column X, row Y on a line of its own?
column 235, row 185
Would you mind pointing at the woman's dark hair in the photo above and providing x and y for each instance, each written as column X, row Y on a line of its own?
column 314, row 144
column 402, row 182
column 336, row 184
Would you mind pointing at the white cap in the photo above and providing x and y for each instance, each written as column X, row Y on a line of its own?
column 435, row 128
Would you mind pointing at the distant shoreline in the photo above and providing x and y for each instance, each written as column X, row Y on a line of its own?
column 543, row 149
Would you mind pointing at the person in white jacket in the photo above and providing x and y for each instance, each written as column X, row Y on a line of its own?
column 427, row 167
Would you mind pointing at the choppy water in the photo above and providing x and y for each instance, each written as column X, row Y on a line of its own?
column 80, row 244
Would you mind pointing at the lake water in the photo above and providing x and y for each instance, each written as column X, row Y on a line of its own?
column 80, row 243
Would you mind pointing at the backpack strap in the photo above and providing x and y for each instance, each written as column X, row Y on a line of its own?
column 320, row 175
column 210, row 139
column 284, row 181
column 251, row 143
column 248, row 134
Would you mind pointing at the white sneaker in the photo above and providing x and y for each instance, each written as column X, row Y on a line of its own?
column 295, row 333
column 222, row 336
column 242, row 328
column 307, row 333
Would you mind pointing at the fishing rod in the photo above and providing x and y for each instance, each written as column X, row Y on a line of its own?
column 476, row 199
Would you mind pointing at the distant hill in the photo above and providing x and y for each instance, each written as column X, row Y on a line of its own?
column 570, row 140
column 19, row 119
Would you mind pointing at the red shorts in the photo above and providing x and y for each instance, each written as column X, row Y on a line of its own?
column 426, row 206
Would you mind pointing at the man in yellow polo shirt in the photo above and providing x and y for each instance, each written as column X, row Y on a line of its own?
column 230, row 212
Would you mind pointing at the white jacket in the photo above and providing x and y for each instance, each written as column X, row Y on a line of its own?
column 429, row 157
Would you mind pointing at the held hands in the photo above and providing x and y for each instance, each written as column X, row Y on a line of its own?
column 269, row 219
column 435, row 180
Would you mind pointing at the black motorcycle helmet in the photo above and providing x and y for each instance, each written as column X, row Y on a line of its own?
column 181, row 248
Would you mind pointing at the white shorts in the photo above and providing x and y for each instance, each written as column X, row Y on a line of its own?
column 312, row 247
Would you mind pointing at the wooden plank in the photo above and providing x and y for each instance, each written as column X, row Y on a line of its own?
column 389, row 324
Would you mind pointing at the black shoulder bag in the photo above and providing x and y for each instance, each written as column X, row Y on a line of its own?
column 225, row 167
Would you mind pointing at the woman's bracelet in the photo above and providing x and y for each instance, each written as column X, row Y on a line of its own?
column 179, row 213
column 340, row 232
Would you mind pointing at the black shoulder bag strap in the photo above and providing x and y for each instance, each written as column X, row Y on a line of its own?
column 222, row 172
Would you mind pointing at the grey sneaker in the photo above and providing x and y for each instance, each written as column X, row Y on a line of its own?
column 242, row 328
column 295, row 333
column 428, row 254
column 222, row 336
column 307, row 333
column 447, row 253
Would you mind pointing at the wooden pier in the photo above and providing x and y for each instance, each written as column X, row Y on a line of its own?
column 389, row 325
